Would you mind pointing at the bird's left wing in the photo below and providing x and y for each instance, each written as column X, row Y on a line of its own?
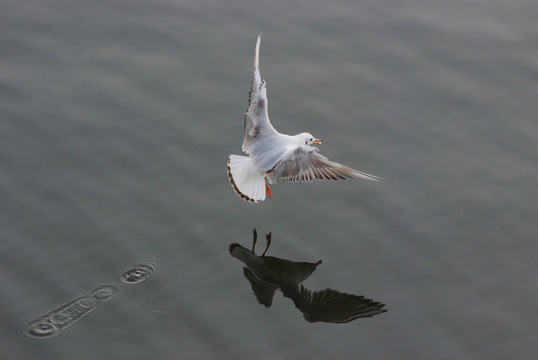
column 333, row 306
column 257, row 124
column 304, row 163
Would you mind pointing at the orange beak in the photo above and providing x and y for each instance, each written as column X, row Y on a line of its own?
column 317, row 141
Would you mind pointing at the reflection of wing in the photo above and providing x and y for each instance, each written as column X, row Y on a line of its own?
column 257, row 124
column 263, row 290
column 296, row 271
column 304, row 163
column 330, row 305
column 272, row 269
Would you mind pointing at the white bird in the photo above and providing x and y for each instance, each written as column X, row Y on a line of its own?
column 274, row 156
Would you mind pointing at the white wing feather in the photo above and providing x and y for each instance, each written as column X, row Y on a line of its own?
column 304, row 163
column 257, row 124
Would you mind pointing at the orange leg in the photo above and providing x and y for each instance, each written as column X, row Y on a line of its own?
column 267, row 190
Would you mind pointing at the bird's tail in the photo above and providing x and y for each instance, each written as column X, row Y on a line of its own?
column 247, row 180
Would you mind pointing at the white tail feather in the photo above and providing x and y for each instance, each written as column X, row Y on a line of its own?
column 247, row 180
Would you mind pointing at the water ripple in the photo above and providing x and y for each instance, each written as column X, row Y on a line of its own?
column 56, row 321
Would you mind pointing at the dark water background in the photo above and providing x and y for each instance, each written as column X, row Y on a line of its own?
column 116, row 121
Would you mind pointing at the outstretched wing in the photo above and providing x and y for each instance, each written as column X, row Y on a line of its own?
column 333, row 306
column 304, row 163
column 257, row 124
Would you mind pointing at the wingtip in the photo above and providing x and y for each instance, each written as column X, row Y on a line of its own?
column 257, row 54
column 378, row 179
column 362, row 175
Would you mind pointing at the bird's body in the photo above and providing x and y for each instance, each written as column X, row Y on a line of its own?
column 274, row 156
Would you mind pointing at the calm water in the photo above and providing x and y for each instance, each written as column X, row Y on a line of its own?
column 116, row 122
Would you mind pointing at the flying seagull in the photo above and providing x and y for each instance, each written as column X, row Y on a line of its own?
column 274, row 156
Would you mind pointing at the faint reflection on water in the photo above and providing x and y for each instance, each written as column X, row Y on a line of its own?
column 56, row 321
column 266, row 274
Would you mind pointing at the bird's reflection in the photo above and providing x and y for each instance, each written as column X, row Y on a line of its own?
column 266, row 274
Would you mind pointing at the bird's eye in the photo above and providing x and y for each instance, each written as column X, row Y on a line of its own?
column 306, row 142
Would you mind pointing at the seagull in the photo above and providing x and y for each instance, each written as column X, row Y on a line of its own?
column 274, row 156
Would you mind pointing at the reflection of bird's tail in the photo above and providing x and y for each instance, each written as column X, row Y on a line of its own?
column 246, row 256
column 247, row 180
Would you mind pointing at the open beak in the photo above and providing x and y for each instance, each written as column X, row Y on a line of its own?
column 317, row 141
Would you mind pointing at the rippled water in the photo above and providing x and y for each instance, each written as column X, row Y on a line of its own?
column 118, row 117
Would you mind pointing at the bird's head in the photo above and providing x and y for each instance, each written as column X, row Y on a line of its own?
column 308, row 139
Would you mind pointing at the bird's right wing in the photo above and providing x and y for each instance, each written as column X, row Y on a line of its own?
column 257, row 124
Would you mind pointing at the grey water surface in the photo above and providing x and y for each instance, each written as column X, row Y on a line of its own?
column 116, row 121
